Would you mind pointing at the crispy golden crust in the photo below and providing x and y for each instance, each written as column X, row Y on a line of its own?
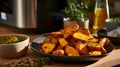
column 70, row 51
column 79, row 35
column 104, row 41
column 95, row 47
column 47, row 47
column 84, row 31
column 93, row 40
column 95, row 53
column 81, row 48
column 63, row 42
column 69, row 29
column 58, row 52
column 73, row 41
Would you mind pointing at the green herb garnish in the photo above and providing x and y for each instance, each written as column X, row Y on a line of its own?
column 113, row 20
column 38, row 62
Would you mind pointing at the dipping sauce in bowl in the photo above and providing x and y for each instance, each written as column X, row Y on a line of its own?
column 9, row 39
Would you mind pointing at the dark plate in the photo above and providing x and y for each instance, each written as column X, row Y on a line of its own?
column 35, row 47
column 103, row 33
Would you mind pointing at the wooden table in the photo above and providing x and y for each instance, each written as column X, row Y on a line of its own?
column 110, row 60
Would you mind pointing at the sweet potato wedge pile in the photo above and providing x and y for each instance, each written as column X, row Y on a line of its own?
column 73, row 41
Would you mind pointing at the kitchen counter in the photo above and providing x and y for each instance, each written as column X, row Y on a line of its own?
column 110, row 60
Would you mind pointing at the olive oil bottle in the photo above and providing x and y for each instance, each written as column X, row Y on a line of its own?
column 101, row 13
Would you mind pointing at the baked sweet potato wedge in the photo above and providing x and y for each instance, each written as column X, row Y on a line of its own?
column 69, row 29
column 47, row 39
column 81, row 36
column 84, row 31
column 95, row 47
column 58, row 52
column 70, row 51
column 47, row 47
column 104, row 41
column 63, row 42
column 81, row 48
column 95, row 40
column 95, row 53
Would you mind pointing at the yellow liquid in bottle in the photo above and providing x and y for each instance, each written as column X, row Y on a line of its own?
column 99, row 19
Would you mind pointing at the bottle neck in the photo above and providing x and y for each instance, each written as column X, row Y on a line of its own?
column 107, row 7
column 100, row 4
column 103, row 4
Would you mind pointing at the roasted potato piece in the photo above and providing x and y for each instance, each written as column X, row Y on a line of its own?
column 72, row 41
column 48, row 47
column 57, row 34
column 84, row 31
column 79, row 35
column 104, row 41
column 81, row 48
column 72, row 27
column 70, row 51
column 58, row 52
column 95, row 47
column 63, row 42
column 95, row 53
column 53, row 37
column 93, row 40
column 58, row 47
column 69, row 29
column 54, row 40
column 47, row 39
column 91, row 36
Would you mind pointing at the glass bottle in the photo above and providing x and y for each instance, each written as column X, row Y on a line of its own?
column 101, row 13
